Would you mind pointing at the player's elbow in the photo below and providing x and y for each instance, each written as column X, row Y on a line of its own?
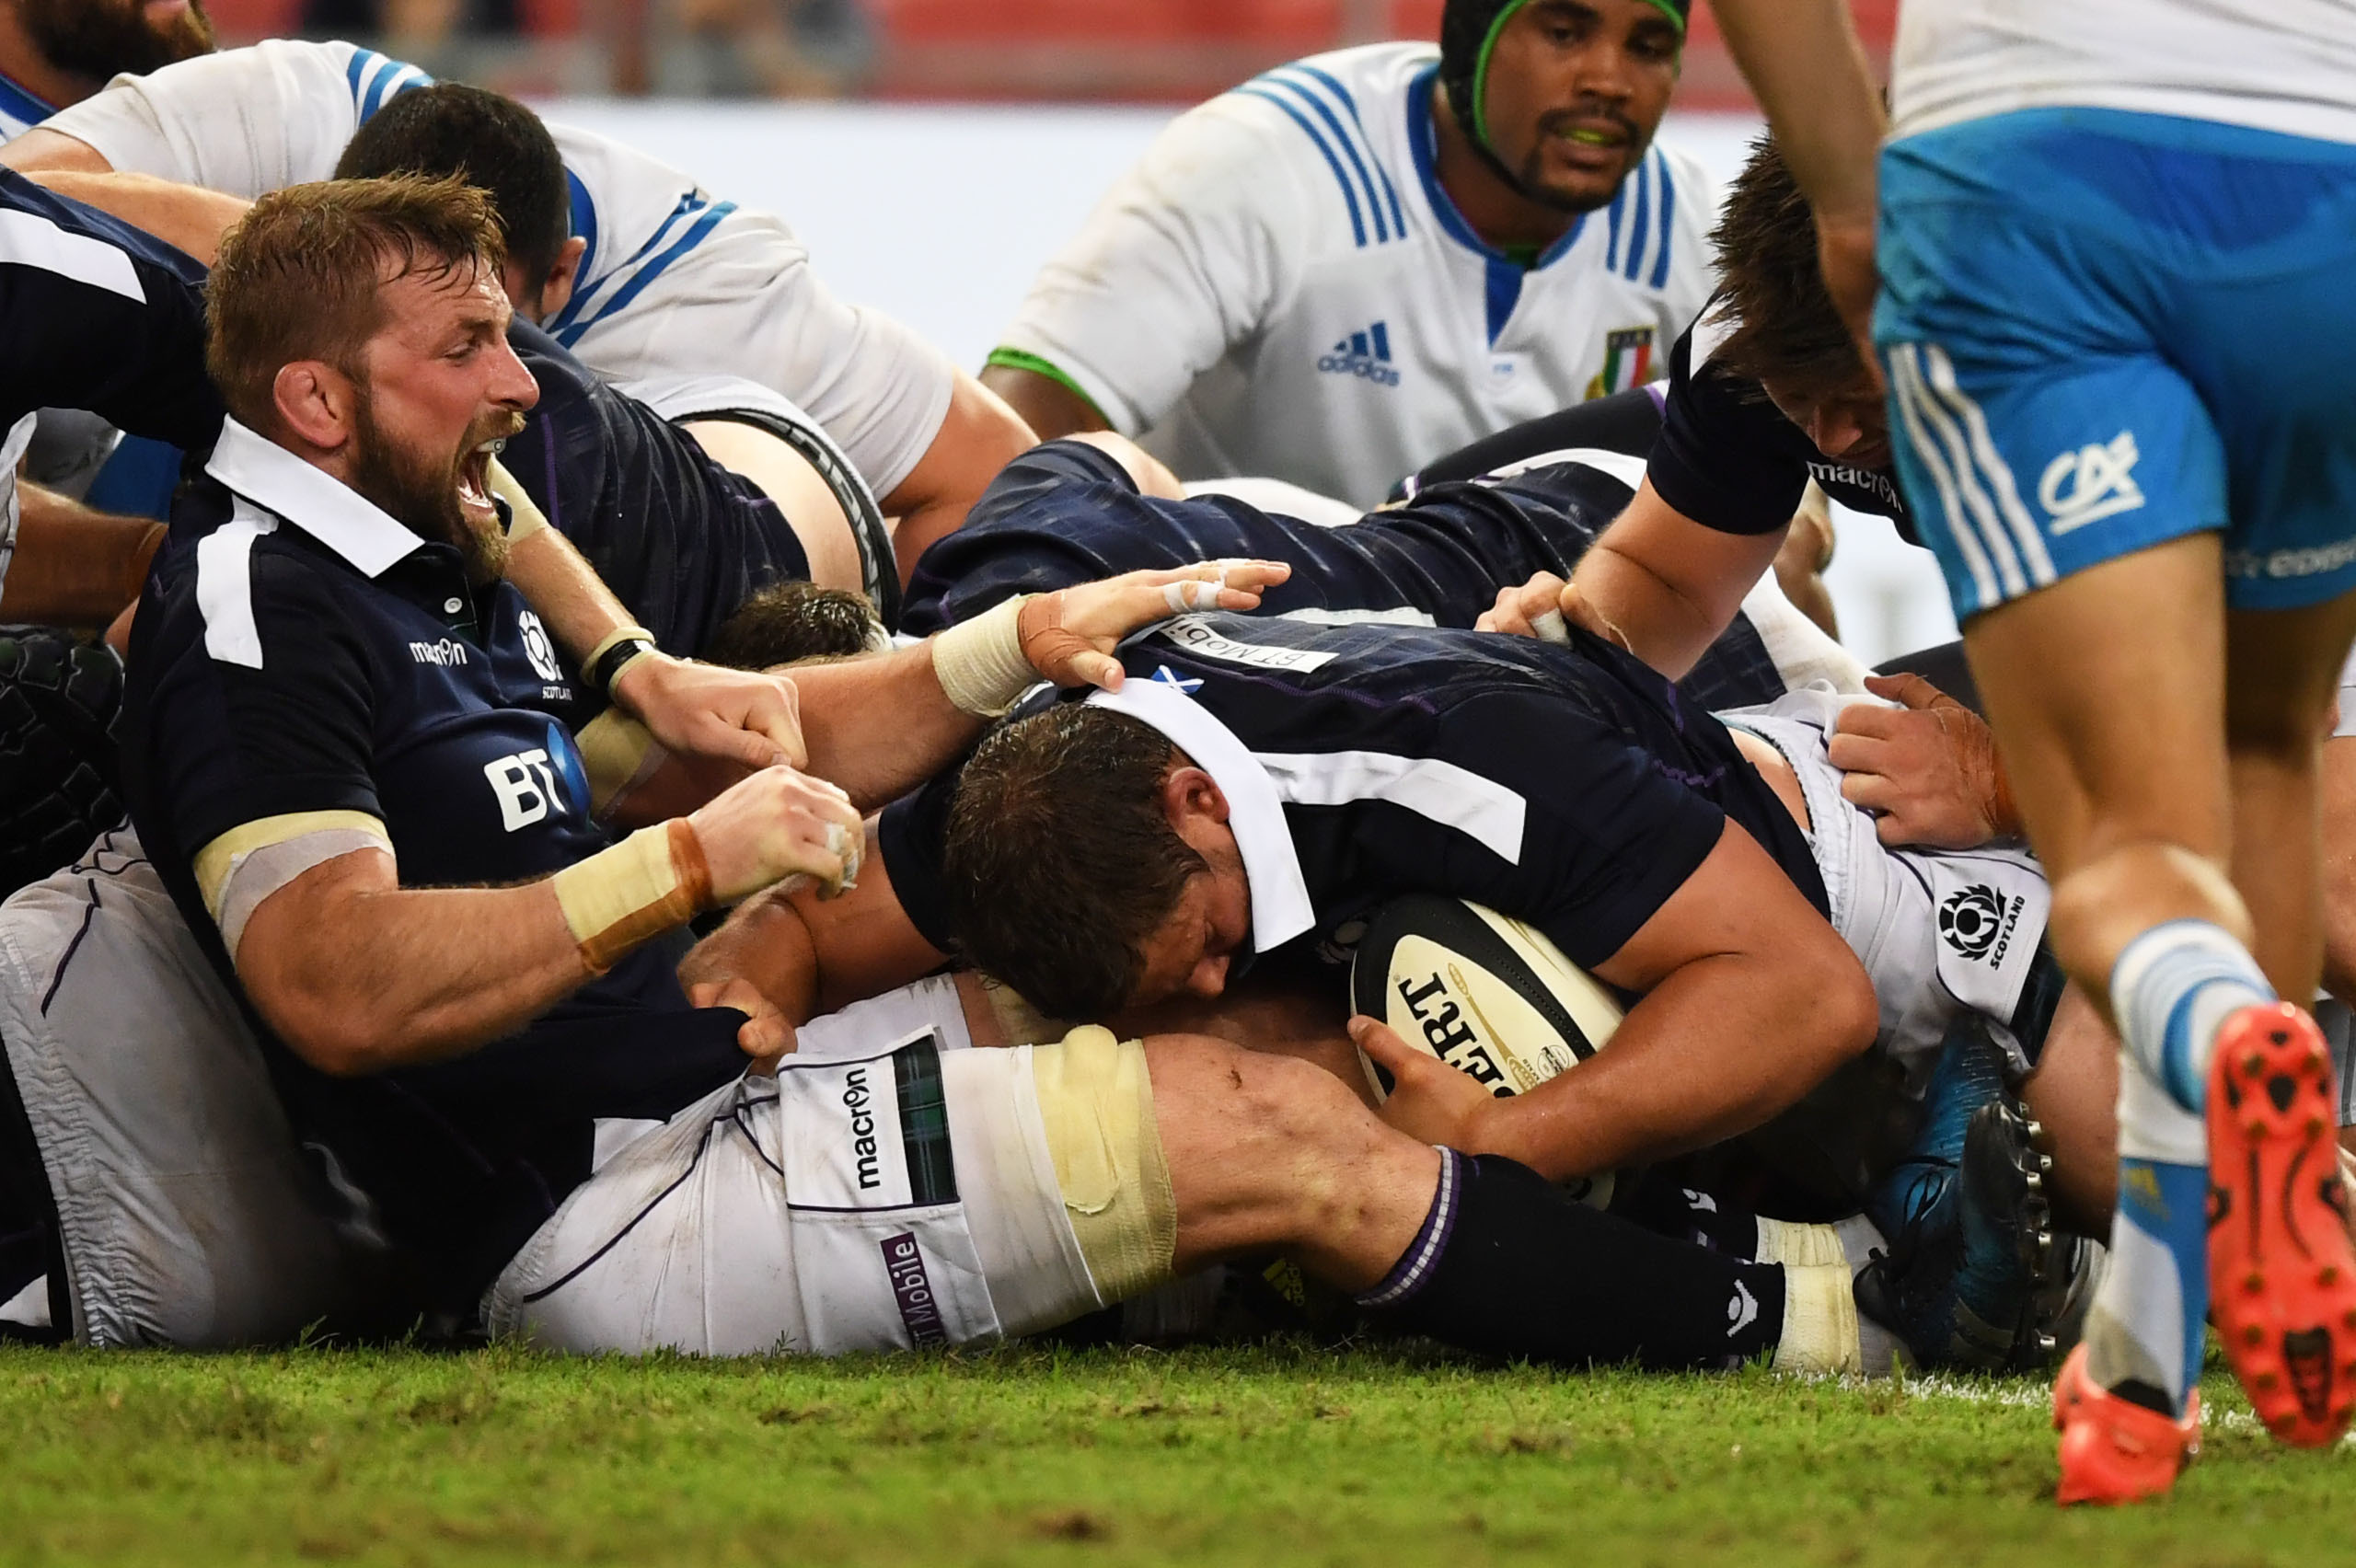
column 338, row 1040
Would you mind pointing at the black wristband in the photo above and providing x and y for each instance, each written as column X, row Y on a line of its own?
column 608, row 667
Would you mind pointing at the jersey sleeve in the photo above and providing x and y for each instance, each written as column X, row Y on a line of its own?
column 868, row 379
column 73, row 279
column 265, row 708
column 246, row 122
column 1184, row 259
column 1725, row 457
column 1607, row 837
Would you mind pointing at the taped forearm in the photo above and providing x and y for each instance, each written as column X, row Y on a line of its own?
column 652, row 882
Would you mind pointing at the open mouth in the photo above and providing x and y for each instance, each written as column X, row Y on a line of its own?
column 474, row 479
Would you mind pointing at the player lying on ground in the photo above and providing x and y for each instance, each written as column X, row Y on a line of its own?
column 335, row 717
column 658, row 279
column 1357, row 261
column 1078, row 510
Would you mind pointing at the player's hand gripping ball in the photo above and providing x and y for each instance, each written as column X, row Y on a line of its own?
column 1487, row 995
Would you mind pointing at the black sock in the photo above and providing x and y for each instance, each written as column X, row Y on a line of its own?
column 1507, row 1264
column 1665, row 1207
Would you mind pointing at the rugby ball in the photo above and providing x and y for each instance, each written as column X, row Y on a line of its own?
column 1490, row 996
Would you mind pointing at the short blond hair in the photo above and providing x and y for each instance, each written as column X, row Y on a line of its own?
column 301, row 276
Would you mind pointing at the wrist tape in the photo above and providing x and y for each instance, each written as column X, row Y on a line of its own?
column 524, row 519
column 980, row 664
column 654, row 880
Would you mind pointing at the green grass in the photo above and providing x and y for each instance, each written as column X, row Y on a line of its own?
column 1099, row 1457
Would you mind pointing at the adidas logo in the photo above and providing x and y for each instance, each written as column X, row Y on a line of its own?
column 1366, row 356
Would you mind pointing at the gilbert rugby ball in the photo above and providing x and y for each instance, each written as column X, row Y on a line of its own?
column 1489, row 996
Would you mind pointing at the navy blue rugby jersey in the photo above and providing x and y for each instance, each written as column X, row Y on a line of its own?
column 1568, row 786
column 681, row 540
column 299, row 651
column 1065, row 513
column 1728, row 460
column 97, row 315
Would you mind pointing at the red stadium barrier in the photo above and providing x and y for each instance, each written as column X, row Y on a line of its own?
column 1147, row 51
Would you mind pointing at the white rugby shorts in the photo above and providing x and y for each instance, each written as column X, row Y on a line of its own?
column 1940, row 932
column 889, row 1188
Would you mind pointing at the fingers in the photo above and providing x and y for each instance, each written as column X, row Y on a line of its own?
column 1856, row 752
column 1100, row 670
column 1912, row 691
column 1873, row 791
column 1381, row 1043
column 751, row 749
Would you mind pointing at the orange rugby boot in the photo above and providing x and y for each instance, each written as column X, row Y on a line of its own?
column 2281, row 1274
column 2114, row 1450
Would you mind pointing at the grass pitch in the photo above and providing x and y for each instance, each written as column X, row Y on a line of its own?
column 1034, row 1455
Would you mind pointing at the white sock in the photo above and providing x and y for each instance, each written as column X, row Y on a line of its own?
column 2172, row 987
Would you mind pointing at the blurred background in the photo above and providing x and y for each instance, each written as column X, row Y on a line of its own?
column 934, row 153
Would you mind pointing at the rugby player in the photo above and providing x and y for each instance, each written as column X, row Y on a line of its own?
column 1078, row 510
column 1355, row 262
column 341, row 726
column 2083, row 222
column 658, row 279
column 686, row 517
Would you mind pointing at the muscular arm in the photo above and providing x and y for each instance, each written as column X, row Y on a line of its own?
column 1750, row 999
column 181, row 215
column 1663, row 585
column 359, row 974
column 1806, row 65
column 977, row 437
column 1051, row 408
column 809, row 956
column 43, row 150
column 74, row 566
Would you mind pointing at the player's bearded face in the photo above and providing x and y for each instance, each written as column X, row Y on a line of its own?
column 95, row 39
column 437, row 494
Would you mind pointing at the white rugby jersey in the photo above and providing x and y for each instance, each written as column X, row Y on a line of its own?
column 675, row 281
column 1280, row 287
column 2286, row 65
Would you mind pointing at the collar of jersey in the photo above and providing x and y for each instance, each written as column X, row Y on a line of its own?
column 20, row 102
column 313, row 500
column 1281, row 909
column 1423, row 145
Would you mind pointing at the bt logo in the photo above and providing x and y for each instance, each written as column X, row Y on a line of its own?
column 525, row 783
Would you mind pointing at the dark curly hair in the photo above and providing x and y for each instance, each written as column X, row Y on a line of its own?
column 1785, row 330
column 1060, row 864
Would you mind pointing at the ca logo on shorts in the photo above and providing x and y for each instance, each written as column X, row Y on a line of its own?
column 2092, row 483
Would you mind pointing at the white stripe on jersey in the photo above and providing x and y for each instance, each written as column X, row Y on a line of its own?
column 225, row 586
column 28, row 239
column 1453, row 797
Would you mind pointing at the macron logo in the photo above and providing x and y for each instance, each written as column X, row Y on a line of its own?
column 1366, row 356
column 445, row 653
